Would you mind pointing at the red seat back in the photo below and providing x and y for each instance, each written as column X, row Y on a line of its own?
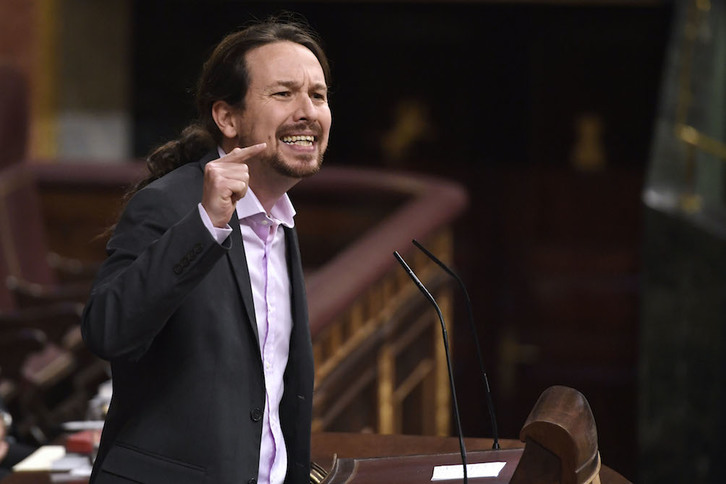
column 23, row 243
column 13, row 115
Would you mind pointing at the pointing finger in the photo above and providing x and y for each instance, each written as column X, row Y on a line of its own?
column 240, row 155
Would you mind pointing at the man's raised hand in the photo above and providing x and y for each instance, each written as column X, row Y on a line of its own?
column 226, row 181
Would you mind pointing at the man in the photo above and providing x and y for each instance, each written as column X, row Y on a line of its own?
column 200, row 306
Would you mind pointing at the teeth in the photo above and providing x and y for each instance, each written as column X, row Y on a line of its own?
column 304, row 140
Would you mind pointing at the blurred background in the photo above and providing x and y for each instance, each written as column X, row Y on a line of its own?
column 588, row 134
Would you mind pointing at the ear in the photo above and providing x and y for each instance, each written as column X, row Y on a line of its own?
column 223, row 116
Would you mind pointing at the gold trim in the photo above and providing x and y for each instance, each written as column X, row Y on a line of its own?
column 443, row 390
column 695, row 138
column 387, row 300
column 317, row 473
column 697, row 12
column 341, row 352
column 413, row 380
column 594, row 478
column 44, row 101
column 386, row 407
column 334, row 405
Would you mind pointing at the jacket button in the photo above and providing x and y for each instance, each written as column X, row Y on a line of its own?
column 178, row 269
column 252, row 481
column 198, row 248
column 256, row 415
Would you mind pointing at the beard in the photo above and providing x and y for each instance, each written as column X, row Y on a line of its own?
column 310, row 167
column 300, row 165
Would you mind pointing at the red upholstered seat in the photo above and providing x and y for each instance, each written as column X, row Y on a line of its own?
column 47, row 372
column 23, row 244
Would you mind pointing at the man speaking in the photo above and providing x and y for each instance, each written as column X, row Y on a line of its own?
column 200, row 306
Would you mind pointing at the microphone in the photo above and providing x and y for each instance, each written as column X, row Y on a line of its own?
column 428, row 295
column 487, row 391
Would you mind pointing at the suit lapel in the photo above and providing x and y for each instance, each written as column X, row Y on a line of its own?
column 238, row 260
column 299, row 302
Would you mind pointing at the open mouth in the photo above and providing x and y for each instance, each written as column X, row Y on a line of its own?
column 299, row 140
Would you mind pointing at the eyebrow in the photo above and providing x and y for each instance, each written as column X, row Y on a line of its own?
column 318, row 86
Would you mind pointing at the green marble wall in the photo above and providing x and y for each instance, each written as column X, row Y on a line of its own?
column 682, row 361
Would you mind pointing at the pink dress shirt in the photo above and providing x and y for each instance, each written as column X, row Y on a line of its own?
column 264, row 242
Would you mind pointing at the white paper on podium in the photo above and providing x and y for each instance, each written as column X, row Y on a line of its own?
column 78, row 425
column 42, row 459
column 484, row 469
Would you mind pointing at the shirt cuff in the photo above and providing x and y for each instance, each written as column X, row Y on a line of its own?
column 219, row 234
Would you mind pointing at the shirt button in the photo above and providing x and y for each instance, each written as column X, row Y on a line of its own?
column 256, row 415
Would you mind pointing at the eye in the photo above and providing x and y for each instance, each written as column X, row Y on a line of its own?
column 283, row 94
column 320, row 96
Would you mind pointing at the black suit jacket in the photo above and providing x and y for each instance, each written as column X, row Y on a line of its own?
column 172, row 310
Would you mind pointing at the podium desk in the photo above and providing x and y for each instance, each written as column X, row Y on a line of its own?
column 421, row 450
column 402, row 453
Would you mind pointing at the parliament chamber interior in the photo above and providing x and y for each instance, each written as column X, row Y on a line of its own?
column 565, row 157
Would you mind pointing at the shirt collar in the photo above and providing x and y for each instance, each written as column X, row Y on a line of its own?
column 249, row 206
column 282, row 211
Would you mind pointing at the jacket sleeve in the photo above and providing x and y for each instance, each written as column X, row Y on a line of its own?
column 156, row 256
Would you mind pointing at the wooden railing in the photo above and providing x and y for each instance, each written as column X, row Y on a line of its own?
column 380, row 364
column 379, row 359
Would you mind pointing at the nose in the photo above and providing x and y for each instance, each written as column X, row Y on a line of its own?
column 305, row 109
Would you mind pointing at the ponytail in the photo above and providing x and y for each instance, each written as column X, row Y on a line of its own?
column 194, row 142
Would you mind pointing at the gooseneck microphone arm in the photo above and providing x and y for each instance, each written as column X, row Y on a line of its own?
column 487, row 391
column 428, row 295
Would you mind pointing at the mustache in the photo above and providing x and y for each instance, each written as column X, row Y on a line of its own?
column 311, row 127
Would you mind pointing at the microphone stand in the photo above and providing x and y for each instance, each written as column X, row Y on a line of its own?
column 428, row 295
column 488, row 393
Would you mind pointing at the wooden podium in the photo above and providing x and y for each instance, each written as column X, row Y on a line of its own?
column 560, row 447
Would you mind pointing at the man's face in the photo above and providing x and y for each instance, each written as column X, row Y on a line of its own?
column 286, row 106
